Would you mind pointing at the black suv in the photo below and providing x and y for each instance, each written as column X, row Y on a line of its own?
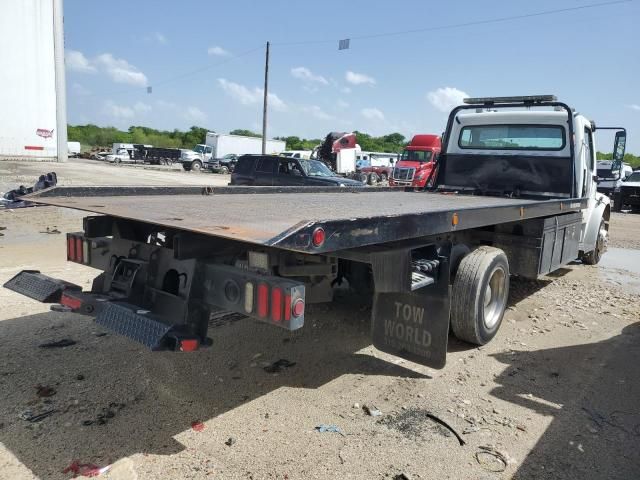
column 273, row 170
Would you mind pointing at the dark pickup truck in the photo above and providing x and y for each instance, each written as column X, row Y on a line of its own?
column 512, row 195
column 274, row 170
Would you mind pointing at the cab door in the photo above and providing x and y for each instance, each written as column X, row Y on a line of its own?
column 265, row 171
column 290, row 173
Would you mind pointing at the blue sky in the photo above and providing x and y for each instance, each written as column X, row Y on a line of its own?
column 204, row 61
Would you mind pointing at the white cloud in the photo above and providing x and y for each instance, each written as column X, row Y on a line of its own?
column 359, row 78
column 194, row 114
column 218, row 51
column 342, row 104
column 635, row 107
column 165, row 104
column 80, row 90
column 372, row 114
column 445, row 99
column 345, row 90
column 77, row 62
column 316, row 112
column 141, row 107
column 118, row 111
column 120, row 70
column 247, row 96
column 303, row 73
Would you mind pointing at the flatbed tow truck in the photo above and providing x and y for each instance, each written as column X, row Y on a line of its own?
column 513, row 193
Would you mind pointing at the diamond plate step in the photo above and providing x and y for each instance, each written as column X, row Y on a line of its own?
column 42, row 288
column 123, row 318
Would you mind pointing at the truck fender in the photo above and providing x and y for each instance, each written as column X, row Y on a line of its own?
column 602, row 209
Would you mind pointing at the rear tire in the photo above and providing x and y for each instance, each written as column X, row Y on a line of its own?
column 223, row 170
column 479, row 295
column 186, row 167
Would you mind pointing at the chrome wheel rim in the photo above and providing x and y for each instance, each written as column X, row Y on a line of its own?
column 495, row 297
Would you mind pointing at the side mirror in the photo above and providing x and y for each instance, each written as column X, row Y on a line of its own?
column 619, row 147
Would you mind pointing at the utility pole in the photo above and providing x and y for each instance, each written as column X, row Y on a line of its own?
column 264, row 105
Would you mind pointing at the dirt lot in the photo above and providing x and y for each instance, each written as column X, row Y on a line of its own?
column 556, row 393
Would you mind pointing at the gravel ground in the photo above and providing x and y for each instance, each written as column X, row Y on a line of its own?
column 553, row 396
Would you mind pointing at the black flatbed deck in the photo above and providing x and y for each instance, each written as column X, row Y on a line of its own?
column 286, row 217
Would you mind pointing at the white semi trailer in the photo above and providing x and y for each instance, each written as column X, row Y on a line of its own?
column 33, row 124
column 217, row 145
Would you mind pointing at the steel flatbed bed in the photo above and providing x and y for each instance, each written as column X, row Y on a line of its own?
column 285, row 217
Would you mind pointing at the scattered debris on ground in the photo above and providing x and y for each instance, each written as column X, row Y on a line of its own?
column 324, row 428
column 85, row 469
column 65, row 342
column 278, row 365
column 32, row 417
column 45, row 391
column 491, row 459
column 371, row 411
column 197, row 426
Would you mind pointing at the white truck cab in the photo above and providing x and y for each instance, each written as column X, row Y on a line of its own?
column 543, row 153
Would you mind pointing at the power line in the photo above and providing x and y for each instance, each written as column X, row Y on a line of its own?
column 179, row 77
column 459, row 25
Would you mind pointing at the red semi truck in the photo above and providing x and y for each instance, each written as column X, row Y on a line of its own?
column 416, row 162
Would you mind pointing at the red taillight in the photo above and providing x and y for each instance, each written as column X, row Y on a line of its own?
column 287, row 308
column 318, row 237
column 72, row 303
column 189, row 345
column 298, row 308
column 71, row 249
column 276, row 304
column 263, row 300
column 79, row 253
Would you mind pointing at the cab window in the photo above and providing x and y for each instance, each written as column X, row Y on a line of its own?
column 288, row 167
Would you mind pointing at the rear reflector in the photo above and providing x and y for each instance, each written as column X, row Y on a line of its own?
column 276, row 304
column 85, row 250
column 263, row 300
column 72, row 303
column 189, row 345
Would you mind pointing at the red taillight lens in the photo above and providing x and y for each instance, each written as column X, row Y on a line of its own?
column 71, row 249
column 263, row 300
column 72, row 303
column 318, row 237
column 298, row 308
column 189, row 345
column 287, row 308
column 276, row 304
column 79, row 253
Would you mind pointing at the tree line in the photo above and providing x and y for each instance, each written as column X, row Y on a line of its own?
column 91, row 136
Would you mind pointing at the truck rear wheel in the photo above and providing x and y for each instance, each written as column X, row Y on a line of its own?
column 186, row 167
column 479, row 295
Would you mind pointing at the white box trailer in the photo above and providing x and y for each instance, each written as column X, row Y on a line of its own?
column 217, row 145
column 33, row 124
column 224, row 144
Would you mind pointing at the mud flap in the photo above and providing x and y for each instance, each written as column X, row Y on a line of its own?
column 414, row 325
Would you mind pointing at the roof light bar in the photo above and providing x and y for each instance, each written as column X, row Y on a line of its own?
column 522, row 99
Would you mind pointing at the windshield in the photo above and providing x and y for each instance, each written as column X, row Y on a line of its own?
column 512, row 137
column 198, row 149
column 634, row 177
column 417, row 155
column 314, row 168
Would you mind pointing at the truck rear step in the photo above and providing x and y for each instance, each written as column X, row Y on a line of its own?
column 33, row 284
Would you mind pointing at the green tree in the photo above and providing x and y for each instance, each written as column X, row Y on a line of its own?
column 244, row 133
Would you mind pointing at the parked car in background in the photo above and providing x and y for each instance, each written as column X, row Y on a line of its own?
column 224, row 165
column 629, row 195
column 297, row 153
column 102, row 155
column 269, row 170
column 121, row 155
column 611, row 176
